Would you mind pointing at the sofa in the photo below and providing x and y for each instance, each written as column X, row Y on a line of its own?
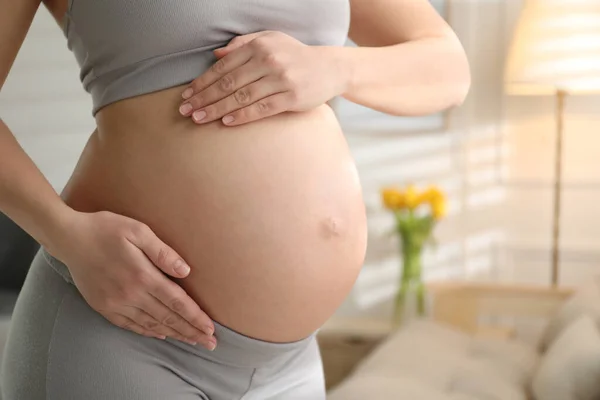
column 488, row 342
column 17, row 250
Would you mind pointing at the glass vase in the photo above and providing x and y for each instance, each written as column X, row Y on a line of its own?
column 410, row 299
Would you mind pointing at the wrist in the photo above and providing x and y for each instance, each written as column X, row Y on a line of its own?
column 56, row 227
column 343, row 68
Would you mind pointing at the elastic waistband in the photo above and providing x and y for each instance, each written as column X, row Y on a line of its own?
column 236, row 349
column 233, row 348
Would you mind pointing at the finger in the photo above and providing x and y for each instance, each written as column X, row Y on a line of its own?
column 178, row 311
column 172, row 320
column 126, row 323
column 145, row 320
column 267, row 107
column 238, row 42
column 222, row 67
column 228, row 84
column 166, row 295
column 144, row 332
column 209, row 342
column 241, row 98
column 161, row 255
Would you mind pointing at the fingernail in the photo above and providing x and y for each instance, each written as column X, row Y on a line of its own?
column 191, row 342
column 211, row 345
column 161, row 337
column 208, row 330
column 228, row 119
column 199, row 115
column 187, row 93
column 185, row 109
column 181, row 268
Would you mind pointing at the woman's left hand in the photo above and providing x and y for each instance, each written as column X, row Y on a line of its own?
column 261, row 75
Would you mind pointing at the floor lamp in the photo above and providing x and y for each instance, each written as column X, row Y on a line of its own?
column 555, row 51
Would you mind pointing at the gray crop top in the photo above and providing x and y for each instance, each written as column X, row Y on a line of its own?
column 127, row 48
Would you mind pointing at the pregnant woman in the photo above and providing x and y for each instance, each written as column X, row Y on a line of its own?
column 214, row 220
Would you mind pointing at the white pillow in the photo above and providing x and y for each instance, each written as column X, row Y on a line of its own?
column 585, row 301
column 570, row 370
column 480, row 378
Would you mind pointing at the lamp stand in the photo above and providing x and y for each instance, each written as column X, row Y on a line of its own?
column 560, row 111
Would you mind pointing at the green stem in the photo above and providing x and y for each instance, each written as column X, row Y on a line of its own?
column 421, row 299
column 399, row 305
column 411, row 279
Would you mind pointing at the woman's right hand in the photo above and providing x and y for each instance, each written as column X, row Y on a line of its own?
column 116, row 264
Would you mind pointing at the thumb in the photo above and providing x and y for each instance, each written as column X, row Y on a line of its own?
column 161, row 255
column 236, row 43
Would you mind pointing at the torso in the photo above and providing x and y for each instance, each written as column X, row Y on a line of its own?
column 269, row 215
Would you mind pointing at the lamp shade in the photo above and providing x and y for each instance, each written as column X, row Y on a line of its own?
column 556, row 46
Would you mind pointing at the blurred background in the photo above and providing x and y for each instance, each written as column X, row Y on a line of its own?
column 519, row 161
column 494, row 156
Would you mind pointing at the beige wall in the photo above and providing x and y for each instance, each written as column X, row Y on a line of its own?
column 530, row 130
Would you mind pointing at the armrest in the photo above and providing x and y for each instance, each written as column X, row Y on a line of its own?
column 464, row 304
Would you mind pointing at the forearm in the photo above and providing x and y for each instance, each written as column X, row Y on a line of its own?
column 26, row 197
column 413, row 78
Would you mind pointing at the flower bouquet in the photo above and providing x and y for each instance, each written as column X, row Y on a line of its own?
column 416, row 214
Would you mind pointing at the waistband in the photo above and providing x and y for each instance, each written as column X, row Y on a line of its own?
column 233, row 348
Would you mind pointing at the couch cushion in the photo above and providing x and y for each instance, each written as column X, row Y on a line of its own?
column 427, row 328
column 17, row 250
column 389, row 388
column 423, row 349
column 480, row 379
column 514, row 360
column 4, row 323
column 570, row 370
column 467, row 384
column 8, row 298
column 585, row 301
column 447, row 361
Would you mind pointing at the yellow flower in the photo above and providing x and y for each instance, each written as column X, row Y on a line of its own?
column 433, row 194
column 411, row 197
column 423, row 198
column 392, row 199
column 438, row 208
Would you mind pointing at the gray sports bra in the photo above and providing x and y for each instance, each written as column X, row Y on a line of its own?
column 127, row 48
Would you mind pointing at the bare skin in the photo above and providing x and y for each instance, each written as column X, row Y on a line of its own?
column 271, row 225
column 267, row 210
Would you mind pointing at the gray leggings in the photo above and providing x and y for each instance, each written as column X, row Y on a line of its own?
column 59, row 348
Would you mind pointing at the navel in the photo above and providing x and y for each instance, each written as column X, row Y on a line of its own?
column 331, row 227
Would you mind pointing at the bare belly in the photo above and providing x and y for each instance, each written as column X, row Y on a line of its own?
column 269, row 215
